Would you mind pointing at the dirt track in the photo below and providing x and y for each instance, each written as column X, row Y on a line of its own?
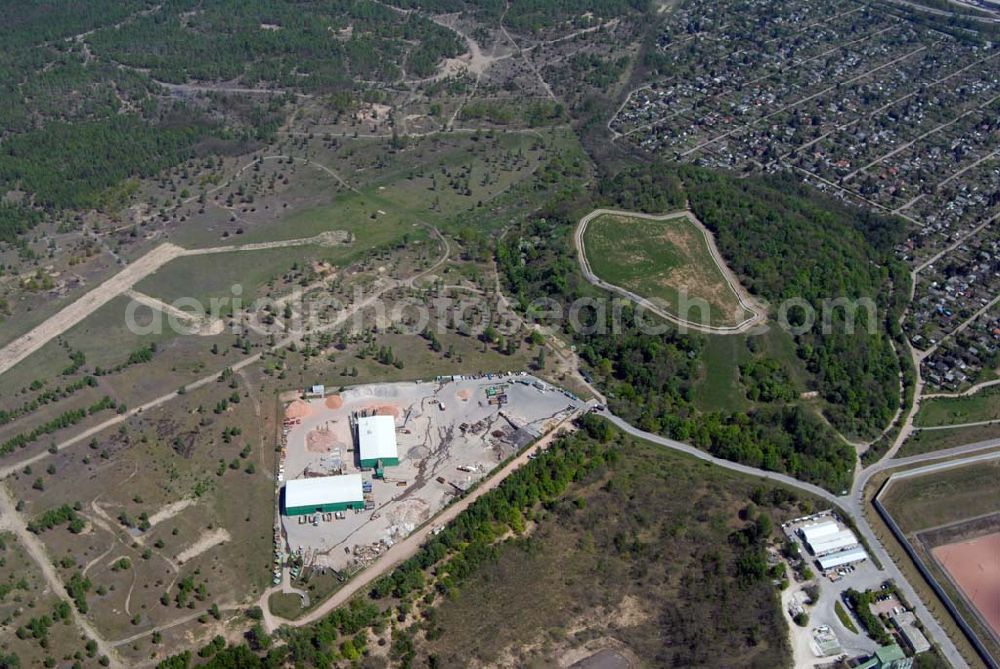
column 123, row 282
column 11, row 520
column 70, row 315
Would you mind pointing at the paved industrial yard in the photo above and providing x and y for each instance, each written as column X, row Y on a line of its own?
column 825, row 632
column 450, row 434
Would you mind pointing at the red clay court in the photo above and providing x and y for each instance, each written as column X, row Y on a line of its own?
column 974, row 566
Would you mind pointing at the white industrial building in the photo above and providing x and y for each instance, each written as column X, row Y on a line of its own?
column 827, row 537
column 817, row 531
column 834, row 560
column 842, row 540
column 377, row 441
column 323, row 494
column 833, row 544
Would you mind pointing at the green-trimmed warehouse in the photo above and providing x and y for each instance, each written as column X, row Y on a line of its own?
column 377, row 441
column 323, row 494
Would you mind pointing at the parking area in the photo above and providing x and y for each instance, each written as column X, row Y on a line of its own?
column 449, row 433
column 826, row 637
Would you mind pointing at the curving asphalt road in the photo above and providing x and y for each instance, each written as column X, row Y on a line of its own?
column 852, row 505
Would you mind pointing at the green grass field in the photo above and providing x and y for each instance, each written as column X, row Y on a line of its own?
column 924, row 441
column 982, row 406
column 667, row 261
column 945, row 496
column 719, row 386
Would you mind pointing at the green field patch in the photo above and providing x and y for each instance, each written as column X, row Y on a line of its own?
column 207, row 276
column 925, row 441
column 945, row 496
column 666, row 261
column 720, row 386
column 958, row 410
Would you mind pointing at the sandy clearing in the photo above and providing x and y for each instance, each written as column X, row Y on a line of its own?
column 169, row 511
column 196, row 323
column 206, row 541
column 73, row 313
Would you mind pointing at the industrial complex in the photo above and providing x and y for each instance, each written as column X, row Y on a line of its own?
column 361, row 468
column 833, row 545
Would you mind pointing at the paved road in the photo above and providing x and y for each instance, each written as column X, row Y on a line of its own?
column 978, row 423
column 852, row 505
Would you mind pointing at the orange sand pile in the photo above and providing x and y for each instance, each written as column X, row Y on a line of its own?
column 387, row 410
column 298, row 409
column 334, row 402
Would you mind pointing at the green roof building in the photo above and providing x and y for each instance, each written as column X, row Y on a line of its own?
column 323, row 494
column 888, row 657
column 377, row 441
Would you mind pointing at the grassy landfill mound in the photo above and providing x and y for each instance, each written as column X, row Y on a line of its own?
column 667, row 261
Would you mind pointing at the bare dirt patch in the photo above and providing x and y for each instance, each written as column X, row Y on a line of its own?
column 407, row 516
column 384, row 410
column 207, row 541
column 974, row 566
column 334, row 402
column 321, row 440
column 169, row 511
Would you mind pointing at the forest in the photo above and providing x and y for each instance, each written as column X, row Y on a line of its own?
column 82, row 107
column 788, row 242
column 650, row 379
column 309, row 46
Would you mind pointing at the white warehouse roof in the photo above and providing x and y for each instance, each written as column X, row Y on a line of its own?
column 813, row 533
column 839, row 559
column 377, row 437
column 321, row 490
column 833, row 543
